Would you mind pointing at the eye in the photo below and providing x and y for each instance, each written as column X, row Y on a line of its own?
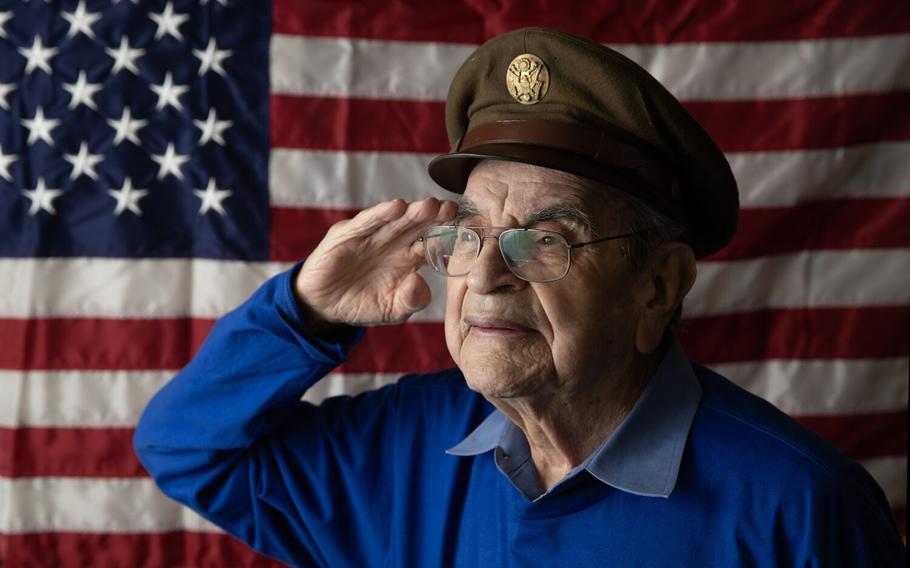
column 467, row 236
column 547, row 240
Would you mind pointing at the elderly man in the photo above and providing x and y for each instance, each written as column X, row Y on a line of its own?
column 574, row 431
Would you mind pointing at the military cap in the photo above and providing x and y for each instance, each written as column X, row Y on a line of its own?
column 561, row 101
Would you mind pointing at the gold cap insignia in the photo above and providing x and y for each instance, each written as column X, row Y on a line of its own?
column 527, row 79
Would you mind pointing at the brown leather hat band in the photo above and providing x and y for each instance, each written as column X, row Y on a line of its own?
column 599, row 147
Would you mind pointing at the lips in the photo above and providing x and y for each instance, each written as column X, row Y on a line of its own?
column 495, row 326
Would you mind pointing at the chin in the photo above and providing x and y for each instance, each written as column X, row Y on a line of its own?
column 500, row 379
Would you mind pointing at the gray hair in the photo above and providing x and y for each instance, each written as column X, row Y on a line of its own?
column 650, row 228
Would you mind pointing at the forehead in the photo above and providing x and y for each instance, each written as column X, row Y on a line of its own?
column 498, row 187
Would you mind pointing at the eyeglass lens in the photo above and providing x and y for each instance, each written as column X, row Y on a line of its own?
column 531, row 254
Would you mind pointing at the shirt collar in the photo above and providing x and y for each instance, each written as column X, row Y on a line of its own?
column 643, row 455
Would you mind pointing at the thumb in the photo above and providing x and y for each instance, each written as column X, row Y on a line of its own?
column 413, row 295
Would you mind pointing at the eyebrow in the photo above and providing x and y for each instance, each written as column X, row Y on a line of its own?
column 563, row 212
column 559, row 212
column 466, row 208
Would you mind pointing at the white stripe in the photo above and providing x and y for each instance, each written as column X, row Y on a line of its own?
column 805, row 279
column 113, row 287
column 348, row 384
column 111, row 399
column 116, row 399
column 363, row 68
column 57, row 504
column 891, row 475
column 348, row 180
column 343, row 67
column 825, row 387
column 99, row 287
column 780, row 179
column 354, row 180
column 111, row 505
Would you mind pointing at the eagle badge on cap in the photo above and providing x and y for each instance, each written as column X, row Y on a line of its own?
column 527, row 79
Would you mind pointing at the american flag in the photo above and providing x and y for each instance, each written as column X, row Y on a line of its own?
column 160, row 159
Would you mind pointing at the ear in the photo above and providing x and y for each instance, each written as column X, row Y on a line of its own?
column 664, row 283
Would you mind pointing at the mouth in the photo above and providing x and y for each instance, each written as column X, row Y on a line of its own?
column 484, row 326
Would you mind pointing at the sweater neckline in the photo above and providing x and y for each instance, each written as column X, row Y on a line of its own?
column 581, row 492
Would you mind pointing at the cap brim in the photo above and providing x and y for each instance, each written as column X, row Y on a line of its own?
column 451, row 172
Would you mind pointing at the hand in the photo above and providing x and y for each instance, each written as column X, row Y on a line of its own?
column 364, row 272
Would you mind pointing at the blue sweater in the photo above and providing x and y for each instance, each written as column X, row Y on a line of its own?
column 365, row 481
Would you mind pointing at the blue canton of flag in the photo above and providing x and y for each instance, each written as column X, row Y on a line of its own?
column 134, row 129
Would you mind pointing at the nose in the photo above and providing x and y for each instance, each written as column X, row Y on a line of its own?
column 490, row 272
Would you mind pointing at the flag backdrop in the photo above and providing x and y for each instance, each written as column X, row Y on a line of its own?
column 159, row 160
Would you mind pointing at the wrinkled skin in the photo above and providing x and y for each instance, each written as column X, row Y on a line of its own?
column 576, row 330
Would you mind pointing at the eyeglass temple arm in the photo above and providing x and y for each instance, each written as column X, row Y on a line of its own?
column 603, row 240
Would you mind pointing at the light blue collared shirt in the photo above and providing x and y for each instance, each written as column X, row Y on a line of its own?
column 642, row 456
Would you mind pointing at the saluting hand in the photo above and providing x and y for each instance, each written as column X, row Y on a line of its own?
column 364, row 271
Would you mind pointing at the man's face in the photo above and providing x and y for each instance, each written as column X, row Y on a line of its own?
column 512, row 338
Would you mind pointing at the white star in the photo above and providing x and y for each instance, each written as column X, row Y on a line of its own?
column 81, row 21
column 5, row 89
column 4, row 17
column 168, row 92
column 127, row 198
column 82, row 92
column 42, row 198
column 168, row 22
column 40, row 127
column 5, row 161
column 83, row 162
column 211, row 58
column 212, row 197
column 127, row 127
column 212, row 128
column 124, row 57
column 170, row 162
column 38, row 56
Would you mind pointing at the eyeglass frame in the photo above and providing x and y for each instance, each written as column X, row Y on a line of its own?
column 474, row 229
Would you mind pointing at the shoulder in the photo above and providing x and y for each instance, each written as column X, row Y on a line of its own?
column 757, row 430
column 777, row 470
column 438, row 397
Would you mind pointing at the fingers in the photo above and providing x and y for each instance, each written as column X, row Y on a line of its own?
column 373, row 218
column 413, row 295
column 400, row 216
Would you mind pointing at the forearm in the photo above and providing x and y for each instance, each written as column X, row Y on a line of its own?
column 249, row 374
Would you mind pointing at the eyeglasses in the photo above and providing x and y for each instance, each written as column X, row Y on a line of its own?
column 531, row 254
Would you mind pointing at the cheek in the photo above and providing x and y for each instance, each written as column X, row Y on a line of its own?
column 455, row 291
column 586, row 327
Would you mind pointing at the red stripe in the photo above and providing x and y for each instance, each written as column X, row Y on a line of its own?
column 108, row 453
column 837, row 224
column 70, row 452
column 417, row 347
column 863, row 436
column 100, row 343
column 791, row 124
column 294, row 233
column 321, row 123
column 163, row 549
column 648, row 21
column 797, row 333
column 900, row 519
